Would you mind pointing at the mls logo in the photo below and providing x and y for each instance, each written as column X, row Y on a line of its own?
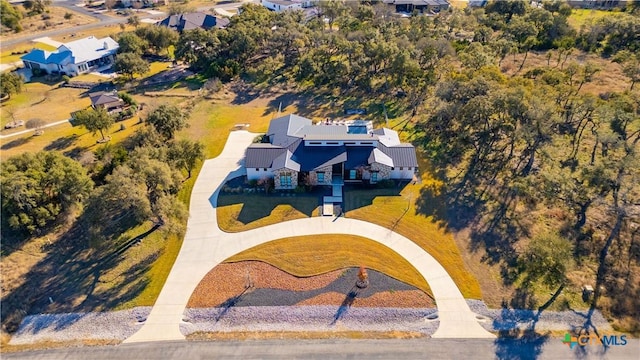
column 570, row 341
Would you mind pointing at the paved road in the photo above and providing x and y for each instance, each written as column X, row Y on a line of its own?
column 22, row 132
column 339, row 349
column 206, row 246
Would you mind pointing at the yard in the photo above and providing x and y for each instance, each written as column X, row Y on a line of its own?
column 314, row 255
column 249, row 211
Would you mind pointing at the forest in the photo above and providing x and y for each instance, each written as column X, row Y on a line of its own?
column 540, row 163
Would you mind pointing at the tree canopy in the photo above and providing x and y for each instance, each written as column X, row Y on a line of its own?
column 167, row 120
column 95, row 120
column 38, row 188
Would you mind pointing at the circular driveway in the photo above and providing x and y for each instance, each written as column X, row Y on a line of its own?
column 205, row 246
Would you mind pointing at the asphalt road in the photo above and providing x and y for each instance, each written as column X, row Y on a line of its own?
column 104, row 20
column 553, row 348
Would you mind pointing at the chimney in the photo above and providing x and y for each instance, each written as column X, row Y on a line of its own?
column 106, row 46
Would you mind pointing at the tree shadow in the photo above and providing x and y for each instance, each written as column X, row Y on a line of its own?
column 15, row 143
column 346, row 304
column 513, row 341
column 62, row 143
column 66, row 280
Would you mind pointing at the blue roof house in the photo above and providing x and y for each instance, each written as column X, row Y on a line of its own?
column 331, row 153
column 75, row 57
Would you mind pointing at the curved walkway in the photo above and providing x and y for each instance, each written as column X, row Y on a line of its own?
column 206, row 246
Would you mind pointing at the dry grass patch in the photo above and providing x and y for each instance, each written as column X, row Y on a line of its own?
column 57, row 345
column 46, row 102
column 55, row 21
column 305, row 256
column 66, row 138
column 98, row 32
column 304, row 335
column 609, row 79
column 580, row 17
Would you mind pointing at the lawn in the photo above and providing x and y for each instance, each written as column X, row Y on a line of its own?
column 304, row 256
column 580, row 17
column 47, row 102
column 249, row 211
column 66, row 138
column 52, row 20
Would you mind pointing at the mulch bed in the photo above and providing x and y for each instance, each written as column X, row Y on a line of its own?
column 225, row 285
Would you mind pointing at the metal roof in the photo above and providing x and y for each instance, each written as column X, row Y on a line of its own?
column 284, row 162
column 262, row 155
column 194, row 20
column 403, row 155
column 379, row 157
column 76, row 52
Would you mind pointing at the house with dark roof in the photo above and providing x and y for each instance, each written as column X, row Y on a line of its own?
column 421, row 6
column 190, row 21
column 73, row 58
column 109, row 101
column 332, row 153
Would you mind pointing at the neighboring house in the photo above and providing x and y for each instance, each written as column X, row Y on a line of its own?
column 329, row 153
column 109, row 101
column 283, row 5
column 422, row 6
column 190, row 21
column 73, row 58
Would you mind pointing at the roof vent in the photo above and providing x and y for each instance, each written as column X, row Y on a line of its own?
column 106, row 45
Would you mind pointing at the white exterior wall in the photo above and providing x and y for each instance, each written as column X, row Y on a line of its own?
column 372, row 143
column 253, row 174
column 279, row 7
column 405, row 173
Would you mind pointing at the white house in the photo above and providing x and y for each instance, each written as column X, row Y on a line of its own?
column 75, row 57
column 283, row 5
column 329, row 153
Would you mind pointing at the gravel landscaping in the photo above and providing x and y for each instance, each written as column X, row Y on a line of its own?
column 308, row 318
column 118, row 325
column 114, row 325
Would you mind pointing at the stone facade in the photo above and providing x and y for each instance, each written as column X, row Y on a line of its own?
column 313, row 176
column 278, row 173
column 384, row 171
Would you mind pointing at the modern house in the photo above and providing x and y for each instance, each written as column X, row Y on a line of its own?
column 421, row 6
column 73, row 58
column 109, row 101
column 283, row 5
column 190, row 21
column 299, row 152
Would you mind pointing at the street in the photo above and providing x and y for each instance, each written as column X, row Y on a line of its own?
column 550, row 348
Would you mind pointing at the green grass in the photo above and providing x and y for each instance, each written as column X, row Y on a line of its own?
column 305, row 256
column 580, row 17
column 249, row 211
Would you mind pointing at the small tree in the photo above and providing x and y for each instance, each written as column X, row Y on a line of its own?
column 10, row 83
column 133, row 20
column 36, row 124
column 547, row 259
column 130, row 63
column 95, row 120
column 167, row 119
column 186, row 154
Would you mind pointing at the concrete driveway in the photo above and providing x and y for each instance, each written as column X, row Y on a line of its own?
column 206, row 246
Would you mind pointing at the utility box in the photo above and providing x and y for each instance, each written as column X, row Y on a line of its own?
column 587, row 292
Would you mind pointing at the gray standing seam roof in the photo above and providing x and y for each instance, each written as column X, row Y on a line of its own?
column 260, row 156
column 403, row 155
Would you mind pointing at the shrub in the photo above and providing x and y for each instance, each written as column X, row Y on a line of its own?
column 68, row 16
column 65, row 78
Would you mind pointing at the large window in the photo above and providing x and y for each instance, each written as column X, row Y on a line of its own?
column 352, row 174
column 285, row 180
column 374, row 176
column 320, row 177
